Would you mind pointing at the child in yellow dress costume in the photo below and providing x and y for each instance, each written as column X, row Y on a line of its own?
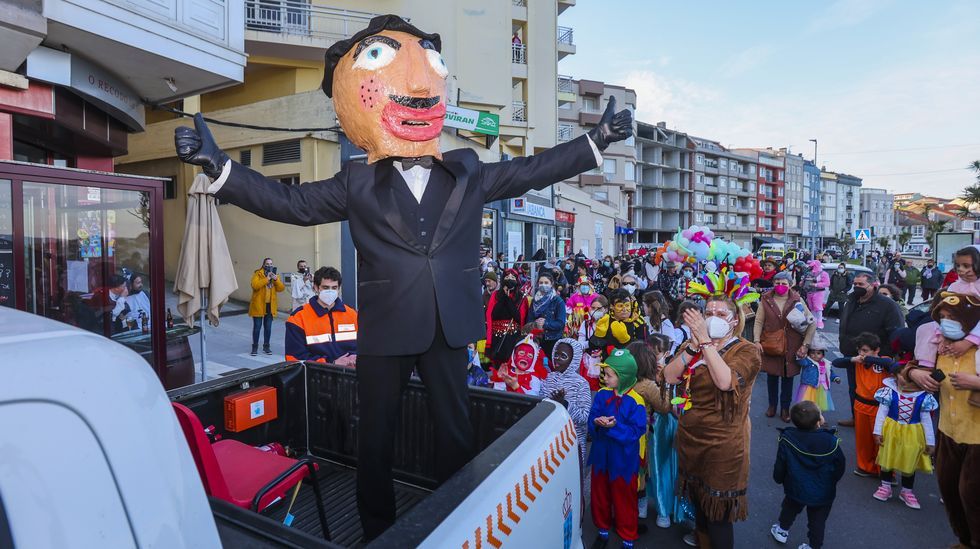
column 903, row 431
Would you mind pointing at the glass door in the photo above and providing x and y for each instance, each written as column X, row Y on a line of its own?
column 86, row 259
column 7, row 290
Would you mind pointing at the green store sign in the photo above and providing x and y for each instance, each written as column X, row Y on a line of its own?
column 474, row 121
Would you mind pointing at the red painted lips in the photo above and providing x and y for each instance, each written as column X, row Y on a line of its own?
column 413, row 124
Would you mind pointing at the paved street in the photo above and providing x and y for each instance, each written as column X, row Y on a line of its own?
column 229, row 343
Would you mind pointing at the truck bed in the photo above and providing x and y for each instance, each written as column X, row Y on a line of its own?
column 337, row 484
column 317, row 418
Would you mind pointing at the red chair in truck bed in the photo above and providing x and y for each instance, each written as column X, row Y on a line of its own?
column 244, row 475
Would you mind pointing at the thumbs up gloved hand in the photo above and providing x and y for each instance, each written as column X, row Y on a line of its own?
column 196, row 146
column 613, row 126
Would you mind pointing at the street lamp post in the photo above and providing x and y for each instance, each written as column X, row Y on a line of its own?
column 814, row 151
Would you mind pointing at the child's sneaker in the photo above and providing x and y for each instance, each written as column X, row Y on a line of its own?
column 909, row 498
column 663, row 522
column 804, row 546
column 884, row 492
column 691, row 539
column 778, row 533
column 643, row 507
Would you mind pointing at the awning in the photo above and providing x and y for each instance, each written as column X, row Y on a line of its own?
column 767, row 240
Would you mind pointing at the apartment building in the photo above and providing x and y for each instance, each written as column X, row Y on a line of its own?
column 75, row 82
column 88, row 68
column 811, row 207
column 512, row 81
column 734, row 194
column 828, row 207
column 665, row 183
column 797, row 221
column 878, row 214
column 848, row 204
column 598, row 203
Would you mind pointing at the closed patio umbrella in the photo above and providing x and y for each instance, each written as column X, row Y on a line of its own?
column 205, row 274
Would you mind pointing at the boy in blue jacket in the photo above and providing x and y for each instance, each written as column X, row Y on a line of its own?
column 809, row 463
column 617, row 423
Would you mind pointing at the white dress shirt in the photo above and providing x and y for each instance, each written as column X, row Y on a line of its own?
column 416, row 177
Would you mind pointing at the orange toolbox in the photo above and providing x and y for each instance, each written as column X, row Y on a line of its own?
column 246, row 409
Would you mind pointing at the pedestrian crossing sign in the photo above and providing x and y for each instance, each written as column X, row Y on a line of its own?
column 862, row 236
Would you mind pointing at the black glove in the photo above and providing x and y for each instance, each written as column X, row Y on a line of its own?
column 196, row 146
column 613, row 126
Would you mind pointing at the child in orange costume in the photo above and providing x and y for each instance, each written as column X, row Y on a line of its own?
column 870, row 373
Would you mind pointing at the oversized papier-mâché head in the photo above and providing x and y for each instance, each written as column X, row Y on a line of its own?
column 388, row 84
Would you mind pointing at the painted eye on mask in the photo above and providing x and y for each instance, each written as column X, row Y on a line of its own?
column 438, row 65
column 375, row 56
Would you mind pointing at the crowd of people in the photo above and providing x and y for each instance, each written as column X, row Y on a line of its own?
column 656, row 366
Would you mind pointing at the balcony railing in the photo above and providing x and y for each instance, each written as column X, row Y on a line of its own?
column 565, row 35
column 564, row 132
column 519, row 112
column 519, row 54
column 300, row 17
column 565, row 84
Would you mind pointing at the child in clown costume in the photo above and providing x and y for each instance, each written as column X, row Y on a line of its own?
column 525, row 370
column 617, row 424
column 816, row 291
column 815, row 378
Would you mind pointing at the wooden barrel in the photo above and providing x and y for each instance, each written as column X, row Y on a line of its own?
column 180, row 363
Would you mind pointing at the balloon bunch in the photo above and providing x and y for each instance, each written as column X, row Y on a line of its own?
column 748, row 265
column 724, row 251
column 690, row 245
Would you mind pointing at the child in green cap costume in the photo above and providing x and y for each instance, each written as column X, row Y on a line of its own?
column 617, row 423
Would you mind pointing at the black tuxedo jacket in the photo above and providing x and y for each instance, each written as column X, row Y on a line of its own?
column 401, row 282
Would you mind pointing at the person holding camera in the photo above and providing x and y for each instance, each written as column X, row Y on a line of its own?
column 262, row 308
column 302, row 285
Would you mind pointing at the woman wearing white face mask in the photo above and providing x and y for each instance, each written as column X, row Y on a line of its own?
column 547, row 313
column 781, row 344
column 714, row 372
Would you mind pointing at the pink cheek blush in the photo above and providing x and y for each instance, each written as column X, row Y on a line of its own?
column 370, row 93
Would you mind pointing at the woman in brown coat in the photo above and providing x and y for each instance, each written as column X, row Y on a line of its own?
column 780, row 343
column 714, row 371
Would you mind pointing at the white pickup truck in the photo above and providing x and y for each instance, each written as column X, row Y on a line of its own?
column 91, row 455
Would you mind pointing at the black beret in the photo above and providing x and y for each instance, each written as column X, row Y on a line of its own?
column 377, row 24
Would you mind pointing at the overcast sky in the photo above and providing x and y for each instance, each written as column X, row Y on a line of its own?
column 889, row 88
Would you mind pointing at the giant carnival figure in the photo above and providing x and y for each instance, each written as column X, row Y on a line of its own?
column 414, row 214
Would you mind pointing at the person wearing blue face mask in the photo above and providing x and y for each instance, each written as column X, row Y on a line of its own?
column 546, row 313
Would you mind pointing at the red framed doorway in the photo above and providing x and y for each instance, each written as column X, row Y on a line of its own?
column 66, row 234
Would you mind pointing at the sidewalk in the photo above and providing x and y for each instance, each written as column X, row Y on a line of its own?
column 229, row 343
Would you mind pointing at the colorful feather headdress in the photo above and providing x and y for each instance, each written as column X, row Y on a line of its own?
column 725, row 282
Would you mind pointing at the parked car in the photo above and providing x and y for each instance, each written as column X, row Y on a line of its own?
column 831, row 268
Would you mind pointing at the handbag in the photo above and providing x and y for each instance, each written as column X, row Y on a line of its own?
column 774, row 343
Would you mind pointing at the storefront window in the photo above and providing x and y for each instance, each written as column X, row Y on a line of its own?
column 86, row 258
column 515, row 239
column 6, row 246
column 488, row 232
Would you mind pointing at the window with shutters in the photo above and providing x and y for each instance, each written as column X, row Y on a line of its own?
column 281, row 153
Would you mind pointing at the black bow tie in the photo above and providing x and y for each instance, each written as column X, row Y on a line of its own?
column 410, row 162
